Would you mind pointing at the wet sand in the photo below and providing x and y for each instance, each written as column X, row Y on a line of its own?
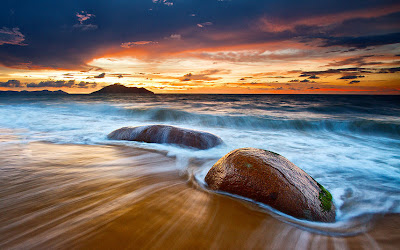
column 113, row 197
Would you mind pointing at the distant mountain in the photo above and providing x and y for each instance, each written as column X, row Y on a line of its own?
column 30, row 93
column 121, row 89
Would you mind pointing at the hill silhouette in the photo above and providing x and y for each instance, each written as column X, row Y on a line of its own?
column 32, row 93
column 121, row 89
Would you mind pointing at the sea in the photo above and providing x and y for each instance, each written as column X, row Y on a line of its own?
column 348, row 143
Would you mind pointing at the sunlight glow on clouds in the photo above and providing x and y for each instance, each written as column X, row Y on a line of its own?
column 138, row 43
column 204, row 46
column 83, row 16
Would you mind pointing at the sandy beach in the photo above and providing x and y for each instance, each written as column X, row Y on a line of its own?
column 219, row 124
column 102, row 197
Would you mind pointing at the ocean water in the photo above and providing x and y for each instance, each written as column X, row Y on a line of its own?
column 349, row 144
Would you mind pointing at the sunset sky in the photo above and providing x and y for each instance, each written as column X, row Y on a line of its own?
column 203, row 46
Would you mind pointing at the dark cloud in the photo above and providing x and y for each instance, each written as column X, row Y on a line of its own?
column 69, row 34
column 48, row 84
column 362, row 26
column 85, row 27
column 11, row 36
column 339, row 70
column 305, row 80
column 295, row 80
column 361, row 41
column 119, row 75
column 313, row 77
column 359, row 61
column 353, row 73
column 102, row 75
column 389, row 70
column 85, row 85
column 354, row 81
column 11, row 84
column 349, row 77
column 51, row 84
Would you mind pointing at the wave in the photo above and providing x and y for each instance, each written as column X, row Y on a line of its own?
column 358, row 125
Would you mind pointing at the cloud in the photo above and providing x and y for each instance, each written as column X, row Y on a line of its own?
column 60, row 84
column 361, row 42
column 204, row 75
column 85, row 27
column 48, row 84
column 119, row 75
column 102, row 75
column 354, row 81
column 174, row 37
column 51, row 84
column 11, row 36
column 358, row 61
column 295, row 80
column 202, row 25
column 338, row 71
column 313, row 77
column 53, row 44
column 256, row 55
column 85, row 85
column 349, row 77
column 137, row 43
column 389, row 70
column 83, row 16
column 11, row 84
column 305, row 80
column 352, row 73
column 165, row 2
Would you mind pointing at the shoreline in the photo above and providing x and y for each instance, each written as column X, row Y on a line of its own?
column 102, row 196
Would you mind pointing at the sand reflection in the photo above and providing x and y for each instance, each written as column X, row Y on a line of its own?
column 63, row 196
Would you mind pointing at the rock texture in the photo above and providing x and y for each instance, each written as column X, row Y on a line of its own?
column 270, row 178
column 167, row 134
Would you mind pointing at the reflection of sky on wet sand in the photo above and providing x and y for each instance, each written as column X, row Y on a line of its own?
column 107, row 196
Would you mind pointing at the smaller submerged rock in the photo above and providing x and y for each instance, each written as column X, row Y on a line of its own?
column 167, row 134
column 272, row 179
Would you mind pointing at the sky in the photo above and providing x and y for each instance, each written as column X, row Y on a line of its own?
column 202, row 46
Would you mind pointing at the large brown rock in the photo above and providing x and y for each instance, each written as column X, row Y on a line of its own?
column 272, row 179
column 167, row 134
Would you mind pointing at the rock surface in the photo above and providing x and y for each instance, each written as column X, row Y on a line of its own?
column 270, row 178
column 167, row 134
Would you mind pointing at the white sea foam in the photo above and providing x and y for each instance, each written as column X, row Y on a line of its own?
column 348, row 146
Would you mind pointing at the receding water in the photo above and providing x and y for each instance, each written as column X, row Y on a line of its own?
column 53, row 194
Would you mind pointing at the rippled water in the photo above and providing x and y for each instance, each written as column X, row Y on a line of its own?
column 350, row 144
